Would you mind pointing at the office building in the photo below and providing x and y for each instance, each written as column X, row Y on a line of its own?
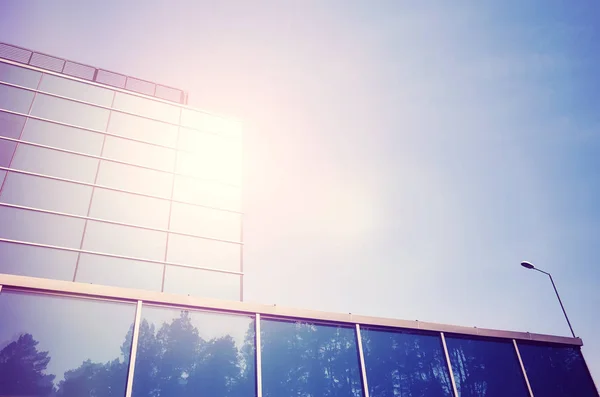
column 121, row 267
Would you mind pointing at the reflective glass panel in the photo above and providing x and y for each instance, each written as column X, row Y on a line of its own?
column 405, row 364
column 135, row 179
column 214, row 167
column 59, row 346
column 129, row 208
column 2, row 176
column 142, row 129
column 192, row 353
column 65, row 111
column 27, row 260
column 15, row 99
column 303, row 359
column 76, row 90
column 206, row 222
column 557, row 371
column 63, row 137
column 55, row 163
column 204, row 253
column 117, row 272
column 19, row 76
column 139, row 153
column 486, row 368
column 211, row 194
column 46, row 194
column 195, row 282
column 124, row 240
column 7, row 149
column 11, row 125
column 38, row 227
column 146, row 107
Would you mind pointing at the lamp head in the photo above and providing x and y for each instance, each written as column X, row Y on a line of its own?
column 527, row 265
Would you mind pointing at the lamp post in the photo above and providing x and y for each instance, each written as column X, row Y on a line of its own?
column 529, row 265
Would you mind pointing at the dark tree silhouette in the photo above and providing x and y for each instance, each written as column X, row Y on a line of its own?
column 22, row 369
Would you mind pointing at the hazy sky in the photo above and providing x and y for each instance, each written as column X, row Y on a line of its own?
column 401, row 157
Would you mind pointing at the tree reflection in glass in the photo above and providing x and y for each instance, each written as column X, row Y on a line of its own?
column 405, row 364
column 59, row 346
column 192, row 353
column 309, row 360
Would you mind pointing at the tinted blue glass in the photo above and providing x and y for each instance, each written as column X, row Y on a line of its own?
column 65, row 111
column 19, row 76
column 55, row 346
column 7, row 150
column 15, row 99
column 27, row 260
column 556, row 371
column 11, row 126
column 186, row 353
column 486, row 368
column 300, row 359
column 63, row 137
column 404, row 364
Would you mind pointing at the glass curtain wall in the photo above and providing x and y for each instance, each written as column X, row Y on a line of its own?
column 100, row 186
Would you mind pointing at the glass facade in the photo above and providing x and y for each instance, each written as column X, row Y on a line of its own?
column 105, row 187
column 102, row 188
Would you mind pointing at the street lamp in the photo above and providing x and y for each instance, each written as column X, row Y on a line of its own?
column 529, row 265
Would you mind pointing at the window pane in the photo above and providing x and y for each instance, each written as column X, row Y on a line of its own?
column 19, row 76
column 301, row 359
column 143, row 129
column 15, row 99
column 76, row 90
column 192, row 353
column 37, row 227
column 139, row 153
column 7, row 149
column 485, row 368
column 2, row 176
column 63, row 137
column 70, row 112
column 117, row 272
column 129, row 208
column 204, row 253
column 136, row 179
column 27, row 260
column 211, row 194
column 124, row 240
column 217, row 167
column 557, row 371
column 55, row 163
column 146, row 107
column 63, row 346
column 206, row 222
column 405, row 364
column 196, row 282
column 47, row 194
column 11, row 125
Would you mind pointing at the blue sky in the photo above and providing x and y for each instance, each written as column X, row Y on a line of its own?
column 401, row 158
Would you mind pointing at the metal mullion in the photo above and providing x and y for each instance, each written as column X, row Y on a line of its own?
column 522, row 368
column 361, row 356
column 92, row 195
column 21, row 132
column 133, row 351
column 162, row 286
column 116, row 189
column 258, row 363
column 454, row 389
column 7, row 240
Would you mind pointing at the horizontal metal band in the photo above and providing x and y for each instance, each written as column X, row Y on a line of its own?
column 93, row 290
column 117, row 89
column 82, row 251
column 89, row 218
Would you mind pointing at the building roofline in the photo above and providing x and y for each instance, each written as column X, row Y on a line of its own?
column 269, row 311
